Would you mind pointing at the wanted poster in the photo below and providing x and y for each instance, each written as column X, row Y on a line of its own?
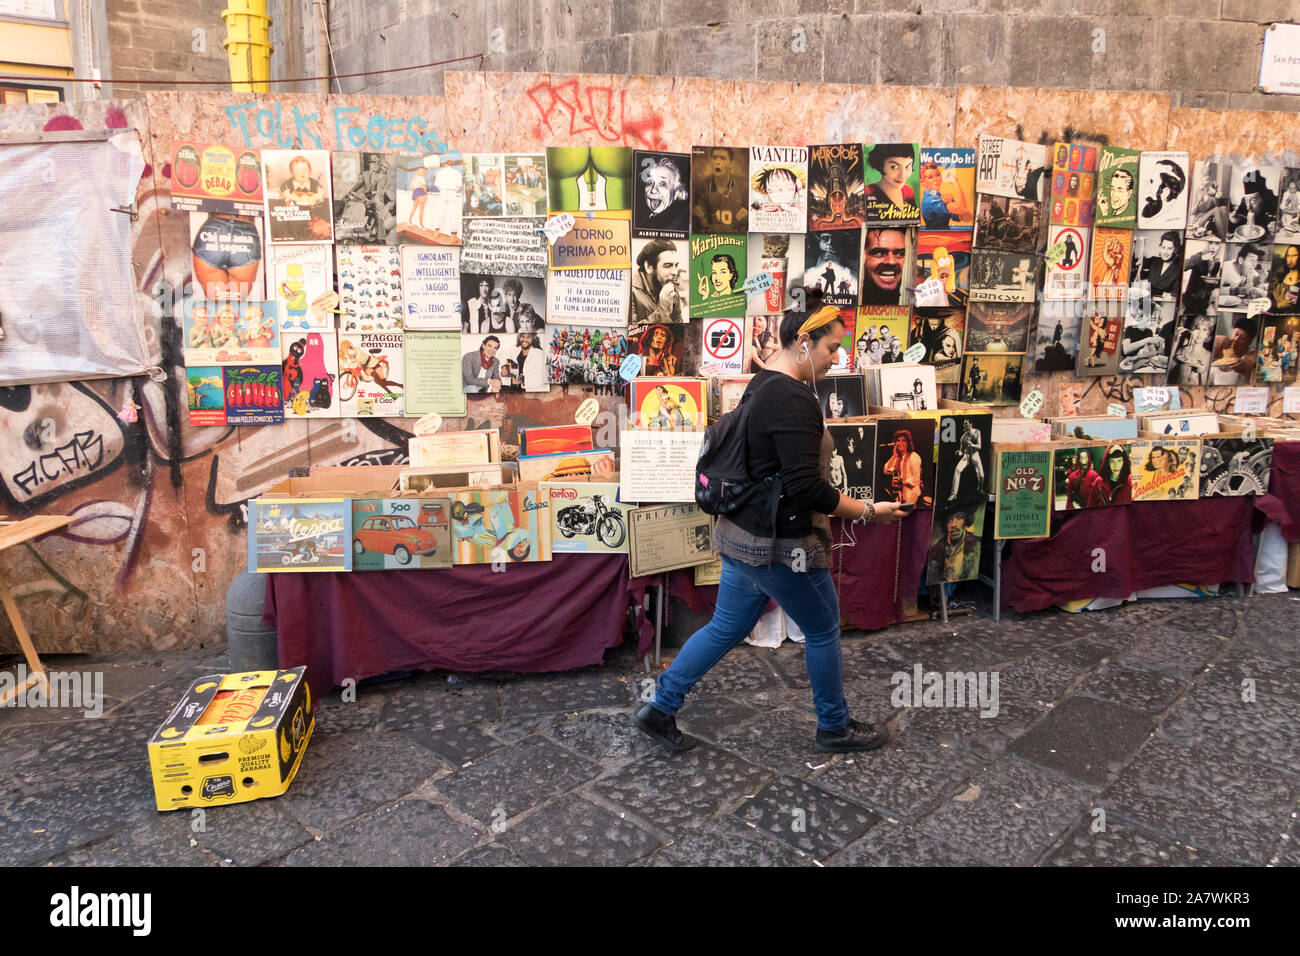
column 662, row 538
column 365, row 198
column 299, row 199
column 836, row 187
column 778, row 188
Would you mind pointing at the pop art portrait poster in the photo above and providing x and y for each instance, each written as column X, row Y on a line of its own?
column 831, row 266
column 893, row 184
column 778, row 188
column 661, row 207
column 718, row 266
column 1074, row 183
column 1279, row 343
column 430, row 196
column 719, row 190
column 589, row 177
column 1162, row 190
column 1009, row 167
column 365, row 198
column 947, row 189
column 1117, row 179
column 780, row 255
column 836, row 187
column 298, row 194
column 227, row 256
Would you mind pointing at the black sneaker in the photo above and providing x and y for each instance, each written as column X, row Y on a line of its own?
column 853, row 737
column 663, row 728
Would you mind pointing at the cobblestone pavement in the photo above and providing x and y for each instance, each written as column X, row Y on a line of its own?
column 1133, row 718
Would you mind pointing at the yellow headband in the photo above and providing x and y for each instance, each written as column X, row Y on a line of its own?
column 823, row 316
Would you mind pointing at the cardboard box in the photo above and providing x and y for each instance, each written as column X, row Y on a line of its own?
column 231, row 739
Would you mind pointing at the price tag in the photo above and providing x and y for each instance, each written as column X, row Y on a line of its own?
column 558, row 226
column 427, row 425
column 1256, row 306
column 587, row 412
column 757, row 283
column 931, row 293
column 914, row 353
column 1031, row 403
column 1251, row 400
column 1291, row 399
column 1116, row 411
column 1150, row 399
column 630, row 368
column 1055, row 253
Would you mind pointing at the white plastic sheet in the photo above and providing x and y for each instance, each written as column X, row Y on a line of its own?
column 1270, row 560
column 68, row 305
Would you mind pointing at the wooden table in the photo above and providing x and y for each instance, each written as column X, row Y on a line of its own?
column 14, row 533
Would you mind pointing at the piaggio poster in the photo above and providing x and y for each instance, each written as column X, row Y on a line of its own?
column 778, row 189
column 298, row 197
column 208, row 177
column 718, row 264
column 1117, row 178
column 719, row 190
column 395, row 534
column 947, row 188
column 300, row 534
column 370, row 375
column 589, row 177
column 1024, row 494
column 1074, row 183
column 893, row 184
column 836, row 187
column 253, row 395
column 500, row 526
column 365, row 198
column 370, row 288
column 661, row 207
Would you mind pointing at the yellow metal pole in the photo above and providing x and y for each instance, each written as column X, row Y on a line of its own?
column 248, row 48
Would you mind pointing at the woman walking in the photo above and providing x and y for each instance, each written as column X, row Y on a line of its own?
column 785, row 433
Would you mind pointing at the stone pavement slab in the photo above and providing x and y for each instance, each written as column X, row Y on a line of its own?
column 572, row 831
column 1084, row 739
column 406, row 833
column 510, row 780
column 725, row 842
column 805, row 818
column 1121, row 845
column 895, row 844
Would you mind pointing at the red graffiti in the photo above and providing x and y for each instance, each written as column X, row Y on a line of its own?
column 597, row 109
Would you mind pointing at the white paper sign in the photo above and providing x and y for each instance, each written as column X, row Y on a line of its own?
column 915, row 352
column 1291, row 399
column 589, row 297
column 558, row 226
column 1116, row 410
column 431, row 287
column 1251, row 400
column 658, row 466
column 427, row 425
column 1279, row 70
column 931, row 293
column 1031, row 403
column 587, row 412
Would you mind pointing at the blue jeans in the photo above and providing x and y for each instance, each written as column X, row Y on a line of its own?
column 807, row 596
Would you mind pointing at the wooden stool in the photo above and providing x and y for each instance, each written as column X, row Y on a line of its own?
column 11, row 534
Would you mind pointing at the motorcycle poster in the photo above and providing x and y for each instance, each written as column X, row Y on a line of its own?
column 300, row 534
column 586, row 517
column 371, row 375
column 500, row 526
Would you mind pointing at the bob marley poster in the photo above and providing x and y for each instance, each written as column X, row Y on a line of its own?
column 718, row 266
column 500, row 526
column 836, row 187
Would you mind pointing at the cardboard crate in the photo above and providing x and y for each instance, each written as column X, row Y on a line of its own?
column 231, row 739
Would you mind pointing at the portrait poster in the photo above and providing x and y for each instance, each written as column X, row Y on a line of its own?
column 1117, row 179
column 905, row 461
column 525, row 361
column 1067, row 262
column 853, row 462
column 1284, row 279
column 500, row 526
column 1009, row 167
column 484, row 193
column 430, row 197
column 719, row 190
column 1011, row 225
column 998, row 326
column 778, row 189
column 842, row 395
column 302, row 278
column 1235, row 466
column 1074, row 185
column 956, row 535
column 1165, row 469
column 780, row 255
column 904, row 386
column 1192, row 352
column 1024, row 493
column 206, row 395
column 1162, row 190
column 887, row 261
column 396, row 534
column 762, row 341
column 945, row 256
column 300, row 534
column 581, row 296
column 525, row 192
column 370, row 288
column 588, row 356
column 666, row 537
column 659, row 464
column 253, row 395
column 299, row 200
column 504, row 304
column 664, row 349
column 831, row 266
column 1288, row 229
column 371, row 374
column 365, row 198
column 893, row 184
column 209, row 177
column 947, row 188
column 230, row 333
column 587, row 517
column 1056, row 342
column 661, row 280
column 310, row 375
column 667, row 403
column 718, row 269
column 941, row 332
column 588, row 177
column 433, row 374
column 1253, row 201
column 991, row 378
column 227, row 256
column 964, row 458
column 661, row 207
column 430, row 288
column 514, row 246
column 1003, row 276
column 836, row 187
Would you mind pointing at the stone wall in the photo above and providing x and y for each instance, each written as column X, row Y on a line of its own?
column 156, row 40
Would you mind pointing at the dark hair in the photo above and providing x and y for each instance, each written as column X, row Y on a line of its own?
column 1175, row 180
column 962, row 513
column 1247, row 325
column 904, row 433
column 514, row 285
column 653, row 250
column 731, row 266
column 794, row 318
column 1117, row 451
column 1248, row 248
column 1155, row 448
column 878, row 154
column 490, row 338
column 1174, row 236
column 765, row 177
column 1125, row 173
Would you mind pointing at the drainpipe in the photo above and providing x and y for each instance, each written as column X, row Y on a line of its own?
column 247, row 45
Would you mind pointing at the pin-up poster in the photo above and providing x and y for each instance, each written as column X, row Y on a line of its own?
column 831, row 266
column 1165, row 469
column 659, row 403
column 394, row 534
column 207, row 177
column 300, row 534
column 227, row 256
column 500, row 526
column 719, row 190
column 253, row 395
column 309, row 375
column 302, row 277
column 661, row 207
column 1011, row 225
column 1162, row 190
column 365, row 198
column 430, row 197
column 299, row 200
column 945, row 256
column 370, row 288
column 947, row 188
column 718, row 265
column 589, row 177
column 1117, row 195
column 525, row 191
column 230, row 333
column 587, row 517
column 1009, row 167
column 1192, row 352
column 1067, row 262
column 430, row 288
column 778, row 188
column 893, row 184
column 1002, row 276
column 484, row 185
column 781, row 256
column 836, row 187
column 371, row 375
column 1074, row 184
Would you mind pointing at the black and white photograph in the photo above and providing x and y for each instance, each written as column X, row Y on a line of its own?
column 365, row 198
column 991, row 378
column 830, row 265
column 1012, row 225
column 1192, row 351
column 1288, row 228
column 842, row 395
column 1155, row 274
column 1147, row 337
column 1245, row 276
column 660, row 275
column 498, row 304
column 1209, row 204
column 853, row 462
column 1202, row 274
column 661, row 206
column 1235, row 466
column 965, row 458
column 1056, row 341
column 1002, row 276
column 1163, row 190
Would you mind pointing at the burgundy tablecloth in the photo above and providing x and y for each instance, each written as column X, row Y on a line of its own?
column 1282, row 503
column 1146, row 545
column 864, row 572
column 546, row 616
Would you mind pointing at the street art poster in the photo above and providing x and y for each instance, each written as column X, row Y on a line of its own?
column 1067, row 263
column 998, row 326
column 1009, row 224
column 1009, row 167
column 1002, row 276
column 299, row 198
column 1162, row 190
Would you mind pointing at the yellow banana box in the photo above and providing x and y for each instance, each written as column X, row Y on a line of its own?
column 232, row 738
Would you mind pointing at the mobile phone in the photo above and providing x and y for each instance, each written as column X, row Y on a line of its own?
column 907, row 506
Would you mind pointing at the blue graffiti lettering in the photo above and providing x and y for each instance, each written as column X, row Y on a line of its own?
column 352, row 129
column 300, row 123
